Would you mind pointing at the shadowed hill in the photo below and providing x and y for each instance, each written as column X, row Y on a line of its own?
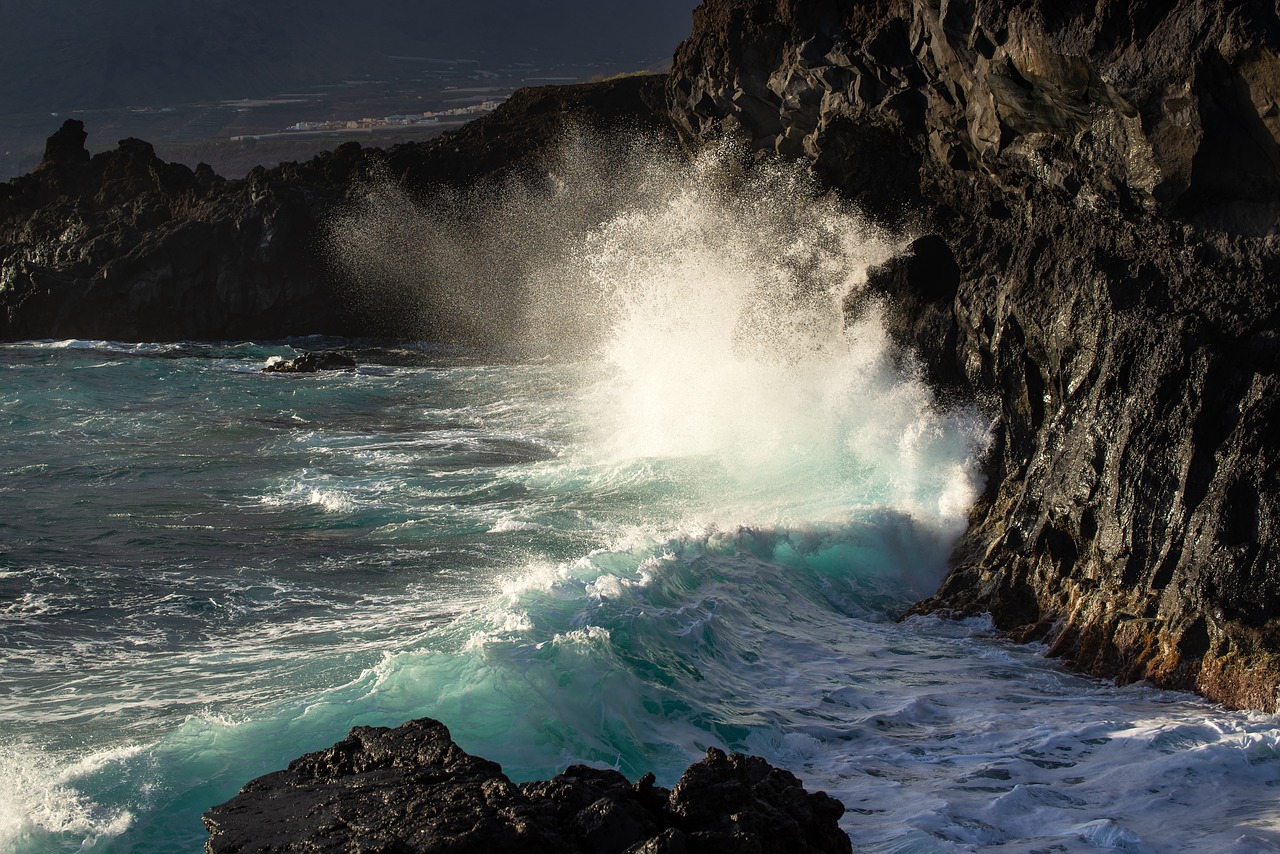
column 122, row 245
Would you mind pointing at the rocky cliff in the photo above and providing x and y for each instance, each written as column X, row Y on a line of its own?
column 1093, row 188
column 124, row 246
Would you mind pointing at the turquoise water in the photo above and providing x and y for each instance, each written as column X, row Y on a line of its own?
column 202, row 558
column 208, row 571
column 694, row 524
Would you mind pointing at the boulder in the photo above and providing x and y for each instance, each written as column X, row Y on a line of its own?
column 310, row 363
column 413, row 790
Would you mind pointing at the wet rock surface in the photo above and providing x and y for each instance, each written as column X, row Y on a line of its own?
column 412, row 789
column 310, row 363
column 1093, row 188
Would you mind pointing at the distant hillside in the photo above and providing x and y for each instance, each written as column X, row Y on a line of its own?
column 92, row 54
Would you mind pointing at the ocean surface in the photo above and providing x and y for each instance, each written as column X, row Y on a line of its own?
column 697, row 528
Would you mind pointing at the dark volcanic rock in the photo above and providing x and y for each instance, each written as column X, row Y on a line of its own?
column 1096, row 187
column 413, row 790
column 309, row 363
column 124, row 246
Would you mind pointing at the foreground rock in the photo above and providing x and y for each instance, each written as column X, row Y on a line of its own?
column 413, row 790
column 1096, row 190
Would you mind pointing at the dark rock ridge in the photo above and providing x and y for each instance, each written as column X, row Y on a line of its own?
column 413, row 790
column 1095, row 187
column 123, row 246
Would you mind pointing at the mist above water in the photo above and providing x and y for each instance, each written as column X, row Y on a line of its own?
column 472, row 266
column 713, row 291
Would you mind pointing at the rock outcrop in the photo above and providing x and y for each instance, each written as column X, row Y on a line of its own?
column 1094, row 187
column 412, row 789
column 124, row 246
column 310, row 363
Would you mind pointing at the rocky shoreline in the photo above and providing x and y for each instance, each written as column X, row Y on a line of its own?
column 1092, row 196
column 413, row 789
column 123, row 246
column 1093, row 192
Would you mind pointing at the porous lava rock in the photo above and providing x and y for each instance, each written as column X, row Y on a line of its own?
column 1094, row 193
column 413, row 790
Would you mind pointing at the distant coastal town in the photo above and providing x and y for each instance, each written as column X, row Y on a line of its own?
column 403, row 120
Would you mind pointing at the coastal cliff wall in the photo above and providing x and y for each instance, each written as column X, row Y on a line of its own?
column 1094, row 192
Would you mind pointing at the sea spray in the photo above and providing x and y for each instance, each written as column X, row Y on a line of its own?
column 470, row 265
column 728, row 341
column 715, row 288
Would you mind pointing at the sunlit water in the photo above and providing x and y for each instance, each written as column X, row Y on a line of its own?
column 697, row 528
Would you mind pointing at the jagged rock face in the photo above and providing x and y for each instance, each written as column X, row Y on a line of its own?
column 126, row 247
column 1096, row 190
column 1147, row 100
column 412, row 789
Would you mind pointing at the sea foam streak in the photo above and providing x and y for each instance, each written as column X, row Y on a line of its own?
column 694, row 527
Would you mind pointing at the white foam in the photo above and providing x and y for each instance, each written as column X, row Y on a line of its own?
column 143, row 348
column 301, row 493
column 40, row 803
column 586, row 635
column 331, row 500
column 728, row 374
column 511, row 526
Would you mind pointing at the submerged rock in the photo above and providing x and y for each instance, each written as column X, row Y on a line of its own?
column 309, row 363
column 413, row 790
